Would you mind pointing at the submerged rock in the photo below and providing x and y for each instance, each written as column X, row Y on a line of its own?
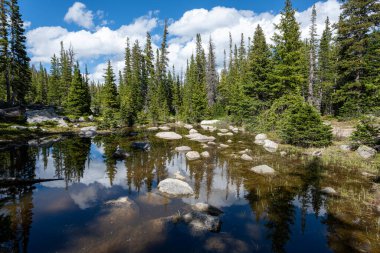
column 246, row 157
column 270, row 146
column 183, row 149
column 202, row 221
column 366, row 152
column 205, row 154
column 145, row 146
column 206, row 208
column 192, row 155
column 260, row 138
column 168, row 136
column 263, row 170
column 329, row 191
column 175, row 187
column 120, row 202
column 120, row 154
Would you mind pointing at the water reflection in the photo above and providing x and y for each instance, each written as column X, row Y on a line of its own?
column 268, row 214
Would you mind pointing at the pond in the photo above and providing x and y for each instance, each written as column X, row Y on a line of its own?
column 281, row 213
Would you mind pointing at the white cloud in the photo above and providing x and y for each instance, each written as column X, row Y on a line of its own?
column 78, row 14
column 27, row 24
column 105, row 43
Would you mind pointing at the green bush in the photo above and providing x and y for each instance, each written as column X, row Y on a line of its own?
column 367, row 133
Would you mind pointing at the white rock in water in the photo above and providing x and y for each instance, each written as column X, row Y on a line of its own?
column 193, row 131
column 263, row 170
column 246, row 157
column 329, row 191
column 200, row 221
column 229, row 141
column 235, row 130
column 168, row 135
column 211, row 143
column 209, row 122
column 200, row 137
column 270, row 146
column 225, row 134
column 188, row 126
column 175, row 187
column 366, row 152
column 205, row 154
column 164, row 128
column 223, row 145
column 260, row 138
column 183, row 149
column 209, row 128
column 205, row 146
column 88, row 131
column 179, row 176
column 152, row 128
column 223, row 130
column 192, row 155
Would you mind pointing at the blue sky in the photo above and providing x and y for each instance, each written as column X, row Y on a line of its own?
column 97, row 30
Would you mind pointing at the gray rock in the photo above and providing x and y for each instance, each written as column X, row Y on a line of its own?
column 200, row 137
column 183, row 149
column 91, row 118
column 81, row 119
column 164, row 128
column 202, row 222
column 192, row 155
column 223, row 145
column 329, row 191
column 209, row 122
column 223, row 130
column 225, row 134
column 211, row 143
column 205, row 154
column 208, row 128
column 246, row 157
column 366, row 152
column 152, row 128
column 317, row 153
column 263, row 170
column 168, row 135
column 283, row 153
column 206, row 208
column 235, row 130
column 120, row 154
column 179, row 176
column 88, row 131
column 205, row 146
column 345, row 147
column 19, row 127
column 260, row 138
column 140, row 145
column 193, row 131
column 188, row 126
column 270, row 146
column 175, row 187
column 229, row 141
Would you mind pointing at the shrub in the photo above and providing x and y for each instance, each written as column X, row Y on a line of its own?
column 367, row 133
column 302, row 126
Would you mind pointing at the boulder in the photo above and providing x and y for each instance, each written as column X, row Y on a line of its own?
column 183, row 149
column 120, row 154
column 188, row 126
column 260, row 138
column 88, row 131
column 145, row 146
column 209, row 122
column 345, row 147
column 206, row 208
column 208, row 128
column 246, row 157
column 168, row 136
column 193, row 131
column 179, row 176
column 329, row 191
column 270, row 146
column 202, row 222
column 81, row 119
column 366, row 152
column 205, row 154
column 62, row 123
column 174, row 187
column 164, row 128
column 263, row 170
column 192, row 155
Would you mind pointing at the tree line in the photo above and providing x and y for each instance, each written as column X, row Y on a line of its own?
column 337, row 74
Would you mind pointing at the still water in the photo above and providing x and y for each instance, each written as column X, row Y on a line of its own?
column 284, row 213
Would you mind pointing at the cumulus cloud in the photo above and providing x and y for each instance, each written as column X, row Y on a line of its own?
column 78, row 14
column 106, row 43
column 27, row 24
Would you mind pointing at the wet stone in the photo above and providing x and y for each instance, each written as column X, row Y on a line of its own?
column 192, row 155
column 263, row 170
column 175, row 187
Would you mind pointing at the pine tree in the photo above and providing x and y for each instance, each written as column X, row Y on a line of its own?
column 53, row 90
column 109, row 101
column 4, row 53
column 359, row 20
column 20, row 76
column 313, row 98
column 326, row 68
column 211, row 75
column 77, row 101
column 259, row 67
column 65, row 64
column 287, row 75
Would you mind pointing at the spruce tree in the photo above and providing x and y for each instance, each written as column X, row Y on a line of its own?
column 20, row 75
column 109, row 100
column 359, row 20
column 4, row 52
column 211, row 74
column 287, row 72
column 53, row 90
column 77, row 101
column 313, row 93
column 65, row 64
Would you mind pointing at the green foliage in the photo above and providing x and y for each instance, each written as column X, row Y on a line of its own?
column 302, row 126
column 367, row 133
